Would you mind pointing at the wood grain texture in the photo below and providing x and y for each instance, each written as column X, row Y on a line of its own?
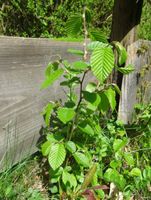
column 136, row 87
column 22, row 64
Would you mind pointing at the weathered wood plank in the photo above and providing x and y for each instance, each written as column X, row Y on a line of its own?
column 136, row 87
column 22, row 64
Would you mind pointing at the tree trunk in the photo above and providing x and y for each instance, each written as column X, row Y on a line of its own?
column 126, row 16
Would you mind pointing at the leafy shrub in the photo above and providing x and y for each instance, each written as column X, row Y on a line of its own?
column 145, row 25
column 86, row 151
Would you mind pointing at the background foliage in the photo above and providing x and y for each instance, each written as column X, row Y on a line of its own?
column 36, row 18
column 145, row 25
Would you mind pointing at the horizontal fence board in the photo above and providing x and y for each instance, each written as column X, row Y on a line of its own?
column 22, row 65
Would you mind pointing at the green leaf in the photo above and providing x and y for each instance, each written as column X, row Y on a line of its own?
column 114, row 164
column 104, row 104
column 98, row 36
column 70, row 179
column 57, row 155
column 54, row 137
column 8, row 191
column 120, row 182
column 54, row 189
column 129, row 158
column 73, row 181
column 65, row 114
column 47, row 112
column 116, row 88
column 111, row 95
column 86, row 128
column 93, row 99
column 93, row 45
column 102, row 63
column 52, row 78
column 88, row 15
column 80, row 65
column 55, row 174
column 121, row 52
column 135, row 172
column 51, row 68
column 126, row 70
column 81, row 159
column 91, row 87
column 71, row 82
column 45, row 148
column 111, row 175
column 74, row 25
column 76, row 52
column 119, row 144
column 71, row 147
column 65, row 177
column 51, row 2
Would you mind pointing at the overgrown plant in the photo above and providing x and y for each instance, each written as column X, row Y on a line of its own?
column 84, row 153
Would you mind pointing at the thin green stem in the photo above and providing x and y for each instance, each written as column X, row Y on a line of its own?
column 77, row 108
column 85, row 34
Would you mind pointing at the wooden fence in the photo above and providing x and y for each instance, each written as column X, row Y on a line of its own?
column 136, row 87
column 22, row 64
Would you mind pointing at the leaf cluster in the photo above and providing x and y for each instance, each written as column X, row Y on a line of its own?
column 86, row 151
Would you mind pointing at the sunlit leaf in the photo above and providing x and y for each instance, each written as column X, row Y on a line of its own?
column 81, row 159
column 98, row 36
column 119, row 144
column 45, row 148
column 93, row 45
column 121, row 52
column 52, row 78
column 69, row 179
column 65, row 114
column 47, row 112
column 56, row 155
column 91, row 87
column 70, row 146
column 129, row 159
column 135, row 172
column 102, row 63
column 112, row 175
column 126, row 70
column 76, row 52
column 80, row 65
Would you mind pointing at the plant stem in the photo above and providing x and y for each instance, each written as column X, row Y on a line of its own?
column 85, row 34
column 82, row 80
column 77, row 108
column 81, row 88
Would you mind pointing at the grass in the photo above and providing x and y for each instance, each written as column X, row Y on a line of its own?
column 69, row 39
column 23, row 181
